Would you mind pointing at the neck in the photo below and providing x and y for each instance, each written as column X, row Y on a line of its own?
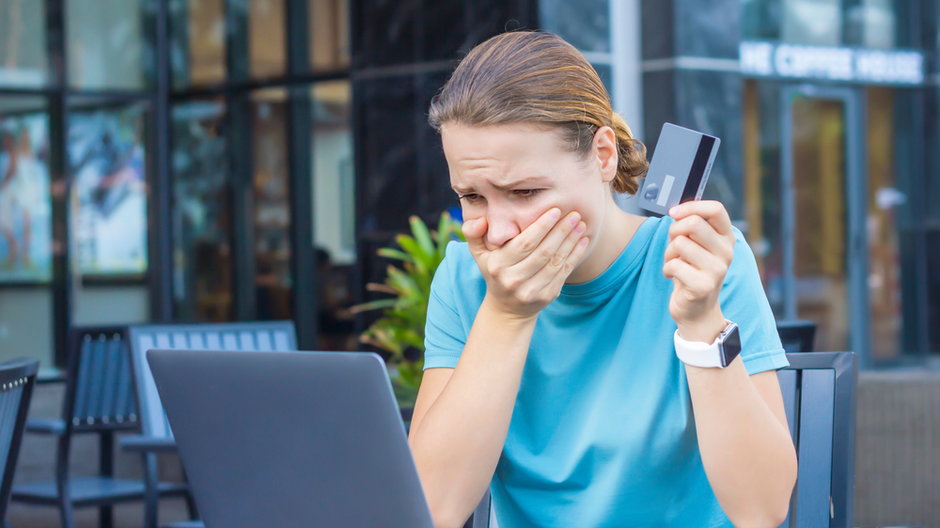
column 616, row 232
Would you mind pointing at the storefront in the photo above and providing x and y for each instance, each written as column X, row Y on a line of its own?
column 830, row 105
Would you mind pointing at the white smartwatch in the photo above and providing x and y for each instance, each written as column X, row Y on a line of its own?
column 718, row 354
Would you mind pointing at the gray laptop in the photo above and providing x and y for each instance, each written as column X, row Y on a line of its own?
column 291, row 439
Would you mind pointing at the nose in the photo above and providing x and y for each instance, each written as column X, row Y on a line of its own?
column 501, row 228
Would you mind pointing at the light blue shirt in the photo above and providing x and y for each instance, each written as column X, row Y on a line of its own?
column 602, row 433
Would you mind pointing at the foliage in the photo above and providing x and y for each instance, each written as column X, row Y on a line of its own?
column 400, row 330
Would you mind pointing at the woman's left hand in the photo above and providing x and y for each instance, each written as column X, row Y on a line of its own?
column 701, row 246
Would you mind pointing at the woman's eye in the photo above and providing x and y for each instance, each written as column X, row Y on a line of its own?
column 470, row 198
column 526, row 193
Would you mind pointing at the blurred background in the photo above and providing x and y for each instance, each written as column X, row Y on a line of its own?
column 234, row 160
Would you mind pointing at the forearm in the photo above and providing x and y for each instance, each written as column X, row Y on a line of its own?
column 747, row 452
column 458, row 442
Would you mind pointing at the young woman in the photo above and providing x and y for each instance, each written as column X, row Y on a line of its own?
column 554, row 335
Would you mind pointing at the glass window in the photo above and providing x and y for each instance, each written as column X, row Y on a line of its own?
column 267, row 30
column 197, row 42
column 202, row 216
column 585, row 24
column 271, row 204
column 106, row 45
column 23, row 59
column 871, row 24
column 107, row 153
column 334, row 209
column 25, row 201
column 329, row 34
column 816, row 22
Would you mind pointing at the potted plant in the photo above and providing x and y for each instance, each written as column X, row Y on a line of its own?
column 400, row 330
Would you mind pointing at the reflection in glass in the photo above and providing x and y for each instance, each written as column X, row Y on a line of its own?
column 821, row 230
column 197, row 42
column 334, row 207
column 25, row 205
column 272, row 204
column 106, row 44
column 585, row 24
column 267, row 26
column 22, row 43
column 107, row 154
column 871, row 24
column 816, row 22
column 202, row 255
column 885, row 203
column 329, row 34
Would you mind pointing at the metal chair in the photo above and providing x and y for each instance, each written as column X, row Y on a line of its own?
column 797, row 335
column 98, row 399
column 157, row 437
column 819, row 396
column 17, row 379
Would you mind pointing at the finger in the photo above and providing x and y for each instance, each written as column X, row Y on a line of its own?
column 696, row 228
column 554, row 283
column 474, row 230
column 523, row 244
column 682, row 247
column 712, row 211
column 545, row 276
column 549, row 250
column 695, row 281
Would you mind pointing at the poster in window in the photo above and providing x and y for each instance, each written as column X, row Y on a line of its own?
column 25, row 205
column 107, row 155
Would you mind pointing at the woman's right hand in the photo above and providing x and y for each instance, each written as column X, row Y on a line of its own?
column 526, row 274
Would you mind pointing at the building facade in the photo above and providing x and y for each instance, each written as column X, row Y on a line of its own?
column 182, row 160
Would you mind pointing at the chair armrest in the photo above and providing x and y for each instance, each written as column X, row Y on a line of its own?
column 145, row 444
column 50, row 426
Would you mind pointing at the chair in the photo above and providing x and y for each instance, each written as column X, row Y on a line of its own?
column 17, row 379
column 819, row 397
column 157, row 437
column 797, row 335
column 98, row 399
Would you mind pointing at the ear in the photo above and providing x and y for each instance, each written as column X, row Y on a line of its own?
column 605, row 152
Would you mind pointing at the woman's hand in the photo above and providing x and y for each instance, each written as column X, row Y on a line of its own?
column 527, row 273
column 701, row 246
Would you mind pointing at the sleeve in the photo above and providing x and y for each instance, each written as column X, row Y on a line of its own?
column 444, row 335
column 743, row 301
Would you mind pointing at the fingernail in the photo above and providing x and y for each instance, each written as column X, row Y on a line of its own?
column 583, row 242
column 580, row 228
column 555, row 213
column 574, row 219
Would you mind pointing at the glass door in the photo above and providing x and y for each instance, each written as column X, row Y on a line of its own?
column 823, row 215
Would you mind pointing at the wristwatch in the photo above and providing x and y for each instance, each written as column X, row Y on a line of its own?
column 718, row 354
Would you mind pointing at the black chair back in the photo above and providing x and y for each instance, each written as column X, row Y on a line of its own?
column 100, row 391
column 17, row 379
column 264, row 336
column 797, row 335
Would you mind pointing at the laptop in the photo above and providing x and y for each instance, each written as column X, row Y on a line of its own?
column 290, row 439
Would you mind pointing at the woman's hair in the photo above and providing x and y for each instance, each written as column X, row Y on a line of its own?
column 536, row 77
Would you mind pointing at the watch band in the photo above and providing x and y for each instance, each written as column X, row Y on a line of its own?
column 698, row 353
column 709, row 355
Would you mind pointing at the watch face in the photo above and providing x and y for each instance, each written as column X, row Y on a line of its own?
column 730, row 344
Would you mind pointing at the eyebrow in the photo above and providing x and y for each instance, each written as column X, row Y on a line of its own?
column 504, row 187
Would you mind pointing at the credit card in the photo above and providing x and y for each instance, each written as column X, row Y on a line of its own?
column 679, row 169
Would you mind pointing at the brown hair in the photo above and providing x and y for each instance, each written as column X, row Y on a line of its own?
column 536, row 77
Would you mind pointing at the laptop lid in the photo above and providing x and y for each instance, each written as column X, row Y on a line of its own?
column 290, row 439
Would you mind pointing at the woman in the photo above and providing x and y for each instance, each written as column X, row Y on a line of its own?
column 551, row 362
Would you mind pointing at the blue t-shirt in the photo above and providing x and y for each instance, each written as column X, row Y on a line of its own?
column 602, row 433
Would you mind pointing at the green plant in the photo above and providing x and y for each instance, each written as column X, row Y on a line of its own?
column 401, row 327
